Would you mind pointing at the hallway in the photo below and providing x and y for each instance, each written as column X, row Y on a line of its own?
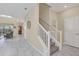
column 43, row 26
column 17, row 47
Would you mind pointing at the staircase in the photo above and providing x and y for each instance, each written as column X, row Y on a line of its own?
column 50, row 38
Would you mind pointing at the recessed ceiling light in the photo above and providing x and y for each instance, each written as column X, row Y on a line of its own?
column 65, row 6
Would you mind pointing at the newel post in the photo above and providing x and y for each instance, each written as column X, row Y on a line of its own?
column 60, row 40
column 48, row 43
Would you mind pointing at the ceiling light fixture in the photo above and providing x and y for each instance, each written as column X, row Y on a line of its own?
column 6, row 16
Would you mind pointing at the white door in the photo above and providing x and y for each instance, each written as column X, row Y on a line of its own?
column 71, row 31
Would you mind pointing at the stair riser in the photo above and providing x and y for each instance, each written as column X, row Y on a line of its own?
column 53, row 49
column 52, row 44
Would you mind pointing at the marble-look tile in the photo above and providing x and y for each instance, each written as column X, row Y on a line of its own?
column 67, row 51
column 20, row 47
column 17, row 47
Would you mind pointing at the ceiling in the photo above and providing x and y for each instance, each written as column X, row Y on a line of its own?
column 58, row 7
column 15, row 10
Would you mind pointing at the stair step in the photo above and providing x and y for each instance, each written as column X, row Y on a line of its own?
column 52, row 43
column 53, row 49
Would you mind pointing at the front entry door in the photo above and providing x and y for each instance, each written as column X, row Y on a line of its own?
column 71, row 31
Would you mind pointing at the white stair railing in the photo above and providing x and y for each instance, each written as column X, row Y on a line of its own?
column 46, row 35
column 43, row 34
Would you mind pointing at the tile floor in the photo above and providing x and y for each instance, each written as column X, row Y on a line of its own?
column 17, row 47
column 67, row 51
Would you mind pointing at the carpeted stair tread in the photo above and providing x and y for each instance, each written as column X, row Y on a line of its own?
column 53, row 49
column 52, row 43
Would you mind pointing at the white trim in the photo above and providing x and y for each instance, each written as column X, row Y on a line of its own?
column 48, row 43
column 61, row 42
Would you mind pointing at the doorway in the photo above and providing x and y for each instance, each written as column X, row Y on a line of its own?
column 20, row 30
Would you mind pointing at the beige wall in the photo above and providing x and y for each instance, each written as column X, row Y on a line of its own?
column 44, row 12
column 10, row 21
column 44, row 15
column 53, row 16
column 32, row 33
column 71, row 12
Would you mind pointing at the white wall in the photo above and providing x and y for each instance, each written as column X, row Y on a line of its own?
column 68, row 13
column 32, row 33
column 44, row 15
